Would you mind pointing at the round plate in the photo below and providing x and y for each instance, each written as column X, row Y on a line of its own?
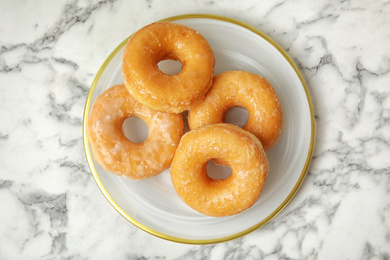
column 153, row 205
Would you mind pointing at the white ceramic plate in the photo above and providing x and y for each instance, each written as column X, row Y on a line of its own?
column 153, row 205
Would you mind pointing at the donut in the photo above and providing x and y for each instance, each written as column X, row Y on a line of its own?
column 167, row 41
column 240, row 149
column 117, row 154
column 246, row 90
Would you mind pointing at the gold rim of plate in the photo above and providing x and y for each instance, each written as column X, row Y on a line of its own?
column 199, row 241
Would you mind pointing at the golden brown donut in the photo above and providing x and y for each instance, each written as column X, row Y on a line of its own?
column 117, row 154
column 241, row 150
column 246, row 90
column 167, row 41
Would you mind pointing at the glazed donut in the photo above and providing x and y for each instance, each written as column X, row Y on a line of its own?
column 117, row 154
column 167, row 41
column 241, row 150
column 247, row 90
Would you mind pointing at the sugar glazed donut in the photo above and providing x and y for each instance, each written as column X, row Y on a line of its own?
column 117, row 154
column 246, row 90
column 167, row 41
column 241, row 150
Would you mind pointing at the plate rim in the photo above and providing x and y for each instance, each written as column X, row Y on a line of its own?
column 185, row 240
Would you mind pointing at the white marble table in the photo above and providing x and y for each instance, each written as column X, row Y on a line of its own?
column 51, row 205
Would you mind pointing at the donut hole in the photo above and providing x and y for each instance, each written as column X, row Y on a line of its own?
column 217, row 171
column 135, row 129
column 186, row 127
column 236, row 116
column 170, row 67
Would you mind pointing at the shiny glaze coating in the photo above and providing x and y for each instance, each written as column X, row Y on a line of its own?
column 247, row 90
column 241, row 150
column 117, row 154
column 167, row 41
